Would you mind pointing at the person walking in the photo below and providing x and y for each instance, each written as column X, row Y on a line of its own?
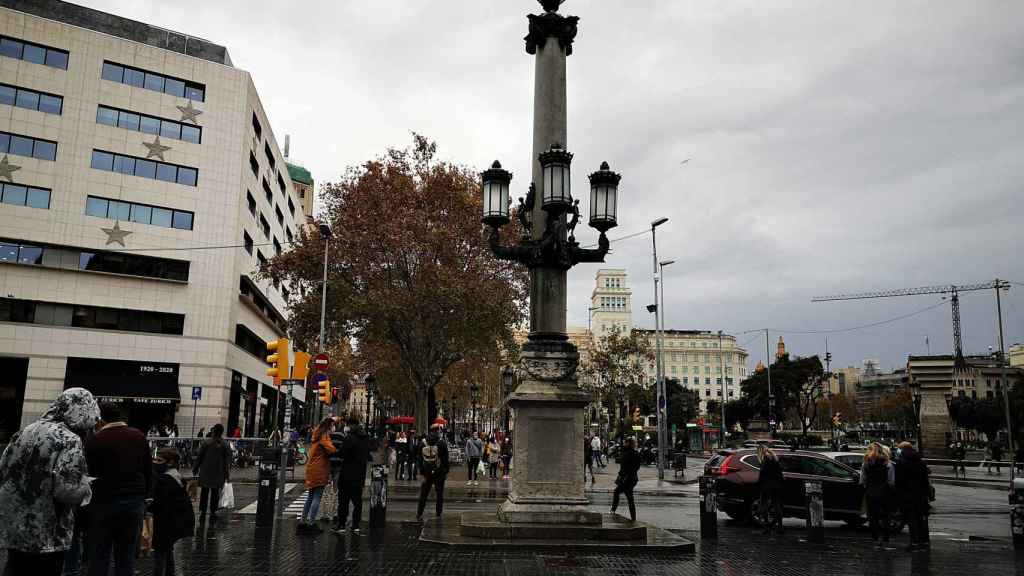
column 627, row 478
column 588, row 460
column 119, row 458
column 595, row 448
column 401, row 455
column 434, row 465
column 355, row 455
column 212, row 466
column 506, row 457
column 912, row 492
column 474, row 450
column 959, row 454
column 412, row 456
column 173, row 518
column 318, row 474
column 878, row 476
column 381, row 457
column 493, row 457
column 770, row 482
column 43, row 477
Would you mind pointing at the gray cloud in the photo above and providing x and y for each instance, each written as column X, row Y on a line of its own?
column 835, row 147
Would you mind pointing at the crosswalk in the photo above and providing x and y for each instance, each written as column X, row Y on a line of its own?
column 251, row 508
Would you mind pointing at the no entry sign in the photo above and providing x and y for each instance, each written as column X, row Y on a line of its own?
column 320, row 362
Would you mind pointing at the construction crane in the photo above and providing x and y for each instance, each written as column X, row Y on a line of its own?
column 952, row 289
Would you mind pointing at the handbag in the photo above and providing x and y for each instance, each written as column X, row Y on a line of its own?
column 227, row 496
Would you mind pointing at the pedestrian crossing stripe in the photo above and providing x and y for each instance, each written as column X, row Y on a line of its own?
column 251, row 508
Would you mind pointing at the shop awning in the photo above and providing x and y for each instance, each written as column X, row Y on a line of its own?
column 125, row 380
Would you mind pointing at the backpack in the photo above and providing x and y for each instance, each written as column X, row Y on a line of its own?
column 429, row 463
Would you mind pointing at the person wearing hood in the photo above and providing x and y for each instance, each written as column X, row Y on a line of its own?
column 355, row 455
column 912, row 492
column 173, row 517
column 43, row 477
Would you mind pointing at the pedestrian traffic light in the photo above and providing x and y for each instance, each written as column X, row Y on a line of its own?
column 300, row 369
column 278, row 359
column 325, row 392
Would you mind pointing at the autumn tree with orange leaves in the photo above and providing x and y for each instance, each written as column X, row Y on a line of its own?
column 411, row 279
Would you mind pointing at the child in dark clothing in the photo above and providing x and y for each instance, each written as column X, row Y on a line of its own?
column 173, row 518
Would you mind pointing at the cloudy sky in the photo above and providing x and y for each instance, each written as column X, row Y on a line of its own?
column 833, row 146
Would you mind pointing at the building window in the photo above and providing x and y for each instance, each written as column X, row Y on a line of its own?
column 277, row 247
column 265, row 226
column 261, row 258
column 32, row 52
column 143, row 168
column 247, row 340
column 256, row 127
column 21, row 195
column 27, row 146
column 281, row 185
column 254, row 165
column 248, row 242
column 251, row 203
column 140, row 213
column 288, row 233
column 31, row 99
column 280, row 216
column 148, row 124
column 96, row 317
column 153, row 81
column 270, row 156
column 268, row 193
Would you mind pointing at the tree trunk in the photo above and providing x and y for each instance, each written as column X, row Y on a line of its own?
column 422, row 418
column 431, row 404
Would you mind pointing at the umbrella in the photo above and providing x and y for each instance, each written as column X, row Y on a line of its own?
column 440, row 421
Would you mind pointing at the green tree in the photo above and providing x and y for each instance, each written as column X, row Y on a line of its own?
column 683, row 403
column 791, row 379
column 616, row 366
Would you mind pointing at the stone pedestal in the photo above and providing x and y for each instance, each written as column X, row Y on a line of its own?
column 547, row 486
column 936, row 426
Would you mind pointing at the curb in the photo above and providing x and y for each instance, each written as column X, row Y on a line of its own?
column 984, row 485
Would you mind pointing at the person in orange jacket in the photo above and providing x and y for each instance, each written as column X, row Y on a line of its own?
column 318, row 474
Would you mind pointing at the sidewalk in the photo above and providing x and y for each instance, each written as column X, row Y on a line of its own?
column 975, row 476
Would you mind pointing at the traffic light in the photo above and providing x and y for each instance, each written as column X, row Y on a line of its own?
column 325, row 392
column 636, row 415
column 301, row 367
column 278, row 360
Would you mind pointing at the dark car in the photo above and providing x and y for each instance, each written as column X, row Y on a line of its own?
column 736, row 473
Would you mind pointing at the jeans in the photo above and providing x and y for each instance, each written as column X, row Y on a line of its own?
column 629, row 499
column 771, row 508
column 437, row 482
column 312, row 507
column 115, row 528
column 588, row 465
column 493, row 468
column 472, row 463
column 163, row 562
column 209, row 498
column 352, row 492
column 46, row 564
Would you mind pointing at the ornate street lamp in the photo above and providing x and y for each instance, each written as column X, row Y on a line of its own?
column 547, row 397
column 508, row 374
column 474, row 395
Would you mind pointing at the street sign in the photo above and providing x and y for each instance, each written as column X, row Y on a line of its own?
column 320, row 361
column 197, row 393
column 320, row 377
column 292, row 382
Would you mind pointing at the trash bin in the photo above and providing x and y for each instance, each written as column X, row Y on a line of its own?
column 1017, row 513
column 269, row 462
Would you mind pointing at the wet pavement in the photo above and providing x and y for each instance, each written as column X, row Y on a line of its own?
column 232, row 546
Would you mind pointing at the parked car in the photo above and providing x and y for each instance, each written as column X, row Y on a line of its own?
column 768, row 443
column 736, row 473
column 851, row 459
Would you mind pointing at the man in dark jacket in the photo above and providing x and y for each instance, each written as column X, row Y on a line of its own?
column 355, row 454
column 118, row 456
column 173, row 518
column 213, row 465
column 627, row 478
column 434, row 465
column 912, row 492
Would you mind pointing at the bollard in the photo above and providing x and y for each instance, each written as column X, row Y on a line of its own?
column 267, row 491
column 708, row 508
column 1017, row 513
column 815, row 511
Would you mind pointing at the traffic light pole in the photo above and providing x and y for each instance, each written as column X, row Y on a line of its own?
column 286, row 442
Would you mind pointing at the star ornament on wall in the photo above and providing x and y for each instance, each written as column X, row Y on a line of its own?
column 190, row 113
column 156, row 148
column 115, row 234
column 7, row 169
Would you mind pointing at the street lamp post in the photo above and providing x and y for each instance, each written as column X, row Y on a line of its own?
column 721, row 379
column 325, row 233
column 371, row 389
column 507, row 378
column 548, row 400
column 660, row 360
column 474, row 396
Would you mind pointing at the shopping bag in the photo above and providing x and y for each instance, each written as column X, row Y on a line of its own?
column 146, row 538
column 480, row 468
column 193, row 490
column 227, row 496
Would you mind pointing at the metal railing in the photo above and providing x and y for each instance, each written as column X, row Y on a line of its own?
column 243, row 450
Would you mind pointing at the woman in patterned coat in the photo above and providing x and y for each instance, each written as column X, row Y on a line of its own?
column 42, row 480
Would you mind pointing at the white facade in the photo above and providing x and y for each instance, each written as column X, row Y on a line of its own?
column 699, row 359
column 241, row 208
